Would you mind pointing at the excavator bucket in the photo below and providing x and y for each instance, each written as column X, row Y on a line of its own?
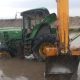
column 61, row 67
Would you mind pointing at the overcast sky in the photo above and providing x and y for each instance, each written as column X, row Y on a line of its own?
column 8, row 8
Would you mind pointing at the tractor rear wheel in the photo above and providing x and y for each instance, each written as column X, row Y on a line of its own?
column 40, row 43
column 5, row 54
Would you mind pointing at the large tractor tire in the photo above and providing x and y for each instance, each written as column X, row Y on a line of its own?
column 15, row 48
column 39, row 43
column 6, row 52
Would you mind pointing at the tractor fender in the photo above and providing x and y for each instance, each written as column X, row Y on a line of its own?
column 44, row 28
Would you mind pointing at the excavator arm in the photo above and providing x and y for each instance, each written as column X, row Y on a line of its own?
column 63, row 21
column 63, row 65
column 62, row 30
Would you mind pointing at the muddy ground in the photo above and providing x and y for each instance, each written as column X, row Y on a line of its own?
column 16, row 69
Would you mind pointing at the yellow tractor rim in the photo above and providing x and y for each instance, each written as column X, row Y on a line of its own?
column 4, row 54
column 42, row 47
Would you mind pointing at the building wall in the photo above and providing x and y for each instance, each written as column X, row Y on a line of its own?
column 74, row 21
column 10, row 22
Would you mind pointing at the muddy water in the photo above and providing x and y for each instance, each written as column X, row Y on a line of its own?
column 16, row 69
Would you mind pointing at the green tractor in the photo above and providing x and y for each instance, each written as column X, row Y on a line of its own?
column 37, row 32
column 29, row 39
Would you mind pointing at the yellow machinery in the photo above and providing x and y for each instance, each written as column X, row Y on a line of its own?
column 62, row 61
column 63, row 16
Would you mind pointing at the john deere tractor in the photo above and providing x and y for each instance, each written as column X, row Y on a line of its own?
column 38, row 30
column 21, row 41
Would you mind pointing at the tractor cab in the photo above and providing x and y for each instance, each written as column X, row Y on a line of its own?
column 33, row 17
